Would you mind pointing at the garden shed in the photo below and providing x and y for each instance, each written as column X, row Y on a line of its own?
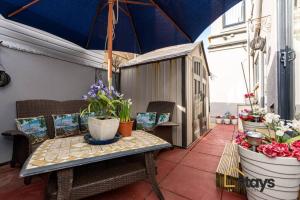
column 178, row 74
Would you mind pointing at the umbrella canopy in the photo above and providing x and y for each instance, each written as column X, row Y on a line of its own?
column 136, row 26
column 143, row 25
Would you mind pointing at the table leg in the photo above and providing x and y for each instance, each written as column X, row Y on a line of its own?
column 64, row 184
column 150, row 166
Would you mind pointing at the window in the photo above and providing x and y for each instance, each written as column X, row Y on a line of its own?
column 235, row 15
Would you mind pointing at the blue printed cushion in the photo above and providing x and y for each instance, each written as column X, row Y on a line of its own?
column 34, row 127
column 84, row 120
column 164, row 117
column 145, row 120
column 66, row 124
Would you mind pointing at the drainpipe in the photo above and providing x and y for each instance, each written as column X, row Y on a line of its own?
column 257, row 16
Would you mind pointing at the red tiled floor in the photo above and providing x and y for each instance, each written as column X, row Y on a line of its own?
column 204, row 162
column 192, row 183
column 136, row 191
column 164, row 167
column 168, row 196
column 210, row 149
column 232, row 196
column 183, row 174
column 175, row 155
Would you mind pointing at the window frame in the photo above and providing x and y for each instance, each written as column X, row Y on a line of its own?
column 237, row 23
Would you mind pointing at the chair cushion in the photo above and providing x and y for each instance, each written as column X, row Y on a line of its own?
column 145, row 120
column 84, row 121
column 66, row 124
column 164, row 117
column 34, row 127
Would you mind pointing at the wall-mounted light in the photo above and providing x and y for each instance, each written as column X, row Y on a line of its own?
column 4, row 77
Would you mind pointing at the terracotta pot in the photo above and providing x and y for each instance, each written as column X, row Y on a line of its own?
column 125, row 128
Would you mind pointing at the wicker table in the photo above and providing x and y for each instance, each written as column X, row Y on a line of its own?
column 80, row 170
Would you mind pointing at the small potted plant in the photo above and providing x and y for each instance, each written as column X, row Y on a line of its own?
column 126, row 123
column 253, row 119
column 103, row 103
column 219, row 119
column 234, row 120
column 227, row 116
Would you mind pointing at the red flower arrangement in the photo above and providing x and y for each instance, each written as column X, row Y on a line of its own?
column 273, row 149
column 249, row 95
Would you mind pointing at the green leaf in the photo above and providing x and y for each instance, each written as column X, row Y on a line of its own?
column 293, row 139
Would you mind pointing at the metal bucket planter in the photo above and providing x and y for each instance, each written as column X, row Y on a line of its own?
column 284, row 171
column 252, row 126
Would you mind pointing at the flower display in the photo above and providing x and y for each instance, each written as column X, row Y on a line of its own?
column 255, row 115
column 284, row 143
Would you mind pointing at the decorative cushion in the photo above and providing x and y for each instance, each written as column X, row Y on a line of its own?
column 164, row 117
column 145, row 120
column 34, row 127
column 66, row 124
column 84, row 121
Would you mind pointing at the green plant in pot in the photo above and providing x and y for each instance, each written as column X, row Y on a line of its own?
column 104, row 104
column 124, row 113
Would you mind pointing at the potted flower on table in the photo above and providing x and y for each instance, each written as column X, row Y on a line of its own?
column 103, row 104
column 275, row 159
column 126, row 123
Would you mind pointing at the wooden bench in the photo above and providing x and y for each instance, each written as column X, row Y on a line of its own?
column 228, row 164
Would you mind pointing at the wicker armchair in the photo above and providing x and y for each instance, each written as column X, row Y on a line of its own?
column 164, row 130
column 22, row 146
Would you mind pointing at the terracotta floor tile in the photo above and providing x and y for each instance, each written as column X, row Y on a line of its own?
column 232, row 196
column 135, row 191
column 192, row 183
column 210, row 149
column 175, row 155
column 201, row 161
column 164, row 167
column 167, row 195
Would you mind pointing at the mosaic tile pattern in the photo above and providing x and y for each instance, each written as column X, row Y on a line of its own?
column 57, row 151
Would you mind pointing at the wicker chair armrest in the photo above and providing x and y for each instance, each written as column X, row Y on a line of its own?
column 14, row 133
column 166, row 124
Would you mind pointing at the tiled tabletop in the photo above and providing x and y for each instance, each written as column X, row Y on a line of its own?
column 55, row 154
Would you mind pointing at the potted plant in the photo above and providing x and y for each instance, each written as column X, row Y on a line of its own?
column 126, row 123
column 253, row 119
column 234, row 120
column 219, row 120
column 275, row 160
column 104, row 104
column 227, row 116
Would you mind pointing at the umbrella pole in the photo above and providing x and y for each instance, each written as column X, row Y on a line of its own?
column 110, row 42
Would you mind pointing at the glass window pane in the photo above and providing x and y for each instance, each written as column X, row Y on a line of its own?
column 235, row 15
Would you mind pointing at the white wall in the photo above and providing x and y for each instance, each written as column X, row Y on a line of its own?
column 41, row 66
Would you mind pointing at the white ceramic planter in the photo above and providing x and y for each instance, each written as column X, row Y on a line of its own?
column 105, row 129
column 252, row 126
column 226, row 121
column 284, row 171
column 219, row 120
column 234, row 121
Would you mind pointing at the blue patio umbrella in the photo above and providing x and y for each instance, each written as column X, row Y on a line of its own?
column 142, row 25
